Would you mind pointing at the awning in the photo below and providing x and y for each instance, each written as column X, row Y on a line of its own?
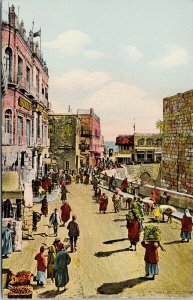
column 46, row 161
column 128, row 155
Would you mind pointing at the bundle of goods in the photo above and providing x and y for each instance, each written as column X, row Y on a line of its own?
column 21, row 278
column 135, row 210
column 22, row 291
column 152, row 233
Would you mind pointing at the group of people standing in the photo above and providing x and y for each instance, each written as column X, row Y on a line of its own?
column 55, row 266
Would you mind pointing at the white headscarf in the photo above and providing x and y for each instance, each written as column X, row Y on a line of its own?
column 187, row 213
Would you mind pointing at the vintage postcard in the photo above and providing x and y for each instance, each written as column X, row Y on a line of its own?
column 97, row 148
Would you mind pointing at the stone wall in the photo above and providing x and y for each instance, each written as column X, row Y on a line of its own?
column 148, row 173
column 177, row 159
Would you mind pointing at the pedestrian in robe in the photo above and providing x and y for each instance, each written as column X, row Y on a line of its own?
column 56, row 244
column 41, row 267
column 73, row 233
column 110, row 182
column 157, row 213
column 186, row 230
column 66, row 209
column 116, row 201
column 51, row 261
column 62, row 261
column 133, row 226
column 77, row 178
column 45, row 184
column 7, row 209
column 64, row 192
column 155, row 195
column 151, row 258
column 55, row 220
column 124, row 185
column 7, row 246
column 87, row 176
column 44, row 207
column 103, row 203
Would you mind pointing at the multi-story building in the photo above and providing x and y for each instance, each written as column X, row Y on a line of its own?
column 177, row 159
column 64, row 134
column 25, row 104
column 91, row 140
column 139, row 148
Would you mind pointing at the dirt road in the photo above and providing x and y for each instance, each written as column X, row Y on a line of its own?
column 103, row 266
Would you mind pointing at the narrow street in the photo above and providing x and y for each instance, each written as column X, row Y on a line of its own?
column 103, row 266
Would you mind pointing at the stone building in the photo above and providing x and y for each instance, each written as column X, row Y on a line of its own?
column 177, row 159
column 139, row 148
column 64, row 134
column 91, row 139
column 25, row 103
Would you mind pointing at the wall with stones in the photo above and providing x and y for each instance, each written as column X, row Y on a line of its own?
column 177, row 147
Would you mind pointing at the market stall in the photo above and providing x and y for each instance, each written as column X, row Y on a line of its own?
column 20, row 285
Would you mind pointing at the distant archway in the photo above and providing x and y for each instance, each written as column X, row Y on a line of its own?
column 145, row 178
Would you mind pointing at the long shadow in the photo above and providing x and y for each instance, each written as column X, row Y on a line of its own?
column 118, row 220
column 115, row 241
column 118, row 287
column 173, row 242
column 51, row 294
column 108, row 253
column 43, row 234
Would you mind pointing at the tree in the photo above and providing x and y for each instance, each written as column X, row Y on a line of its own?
column 159, row 125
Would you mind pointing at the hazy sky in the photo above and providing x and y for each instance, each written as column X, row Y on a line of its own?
column 120, row 57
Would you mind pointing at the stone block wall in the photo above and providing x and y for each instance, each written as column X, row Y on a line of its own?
column 177, row 147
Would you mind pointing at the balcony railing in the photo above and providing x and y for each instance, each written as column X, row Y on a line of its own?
column 86, row 133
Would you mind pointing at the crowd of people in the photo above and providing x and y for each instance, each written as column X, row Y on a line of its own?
column 135, row 217
column 55, row 266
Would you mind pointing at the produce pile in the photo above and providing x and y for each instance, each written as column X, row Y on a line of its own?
column 134, row 211
column 21, row 290
column 21, row 278
column 152, row 233
column 19, row 285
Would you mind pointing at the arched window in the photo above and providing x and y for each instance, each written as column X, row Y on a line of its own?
column 141, row 142
column 149, row 142
column 8, row 126
column 8, row 62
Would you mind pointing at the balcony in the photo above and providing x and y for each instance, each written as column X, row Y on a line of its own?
column 86, row 133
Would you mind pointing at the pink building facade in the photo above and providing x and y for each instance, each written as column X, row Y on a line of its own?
column 25, row 104
column 91, row 140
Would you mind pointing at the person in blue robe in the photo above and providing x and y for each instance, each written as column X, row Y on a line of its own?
column 62, row 261
column 7, row 246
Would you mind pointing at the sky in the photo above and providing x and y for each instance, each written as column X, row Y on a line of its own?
column 119, row 57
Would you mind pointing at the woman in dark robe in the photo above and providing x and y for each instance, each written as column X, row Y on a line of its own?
column 44, row 207
column 133, row 227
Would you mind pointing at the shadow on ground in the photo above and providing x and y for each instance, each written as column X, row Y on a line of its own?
column 118, row 220
column 115, row 241
column 108, row 253
column 118, row 287
column 51, row 294
column 173, row 242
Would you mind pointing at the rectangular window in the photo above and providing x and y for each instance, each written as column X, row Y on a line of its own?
column 37, row 82
column 38, row 125
column 28, row 131
column 19, row 70
column 28, row 79
column 20, row 129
